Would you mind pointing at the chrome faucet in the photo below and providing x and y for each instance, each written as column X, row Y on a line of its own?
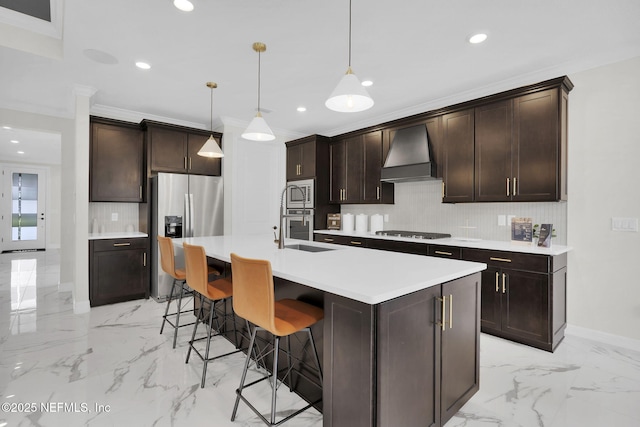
column 283, row 216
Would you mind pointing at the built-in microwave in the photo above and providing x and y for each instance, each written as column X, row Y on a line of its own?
column 300, row 194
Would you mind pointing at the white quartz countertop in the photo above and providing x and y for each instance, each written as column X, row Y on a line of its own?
column 463, row 243
column 117, row 235
column 361, row 274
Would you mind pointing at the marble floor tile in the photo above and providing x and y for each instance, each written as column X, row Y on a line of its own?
column 111, row 367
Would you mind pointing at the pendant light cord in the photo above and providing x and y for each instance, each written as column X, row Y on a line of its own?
column 211, row 123
column 349, row 33
column 258, row 81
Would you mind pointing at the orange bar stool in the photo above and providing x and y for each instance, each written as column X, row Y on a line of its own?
column 212, row 292
column 254, row 300
column 179, row 287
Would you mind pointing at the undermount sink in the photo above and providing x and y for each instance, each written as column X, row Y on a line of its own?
column 308, row 248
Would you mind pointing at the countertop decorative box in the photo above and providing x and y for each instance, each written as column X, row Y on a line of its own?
column 333, row 221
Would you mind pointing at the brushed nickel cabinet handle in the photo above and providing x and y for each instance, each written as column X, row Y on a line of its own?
column 504, row 279
column 443, row 253
column 508, row 187
column 122, row 244
column 185, row 162
column 189, row 163
column 144, row 259
column 141, row 191
column 443, row 192
column 355, row 243
column 500, row 259
column 497, row 282
column 327, row 239
column 514, row 186
column 378, row 193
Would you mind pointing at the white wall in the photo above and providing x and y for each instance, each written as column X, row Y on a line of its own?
column 604, row 182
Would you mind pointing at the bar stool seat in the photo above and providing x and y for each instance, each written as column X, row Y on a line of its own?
column 254, row 300
column 179, row 287
column 211, row 292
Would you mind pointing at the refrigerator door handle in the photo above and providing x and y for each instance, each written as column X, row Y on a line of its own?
column 187, row 216
column 191, row 213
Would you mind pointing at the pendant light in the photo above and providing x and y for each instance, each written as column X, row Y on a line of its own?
column 349, row 96
column 258, row 129
column 211, row 147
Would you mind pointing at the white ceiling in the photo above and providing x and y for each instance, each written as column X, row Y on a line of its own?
column 415, row 52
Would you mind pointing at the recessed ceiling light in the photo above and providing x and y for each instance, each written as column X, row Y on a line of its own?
column 15, row 141
column 19, row 152
column 477, row 38
column 367, row 83
column 183, row 5
column 143, row 65
column 301, row 109
column 6, row 127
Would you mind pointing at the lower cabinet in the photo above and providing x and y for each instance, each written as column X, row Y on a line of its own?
column 118, row 270
column 523, row 296
column 411, row 361
column 342, row 240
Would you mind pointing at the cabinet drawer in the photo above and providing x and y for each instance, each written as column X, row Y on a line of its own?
column 512, row 260
column 342, row 240
column 396, row 246
column 445, row 252
column 101, row 245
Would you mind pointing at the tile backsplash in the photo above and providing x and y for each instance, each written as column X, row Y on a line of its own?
column 418, row 207
column 127, row 214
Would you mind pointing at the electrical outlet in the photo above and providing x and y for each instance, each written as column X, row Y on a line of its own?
column 502, row 220
column 386, row 217
column 114, row 216
column 624, row 224
column 509, row 218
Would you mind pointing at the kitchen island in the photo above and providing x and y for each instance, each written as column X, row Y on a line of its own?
column 399, row 342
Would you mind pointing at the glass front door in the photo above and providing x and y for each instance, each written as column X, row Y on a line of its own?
column 27, row 210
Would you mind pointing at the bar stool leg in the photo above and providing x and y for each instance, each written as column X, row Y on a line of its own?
column 166, row 310
column 175, row 330
column 210, row 329
column 244, row 372
column 274, row 386
column 195, row 328
column 315, row 354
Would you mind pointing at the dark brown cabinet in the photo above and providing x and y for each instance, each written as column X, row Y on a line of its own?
column 416, row 357
column 117, row 162
column 301, row 158
column 458, row 156
column 523, row 296
column 356, row 163
column 175, row 149
column 118, row 270
column 519, row 148
column 342, row 240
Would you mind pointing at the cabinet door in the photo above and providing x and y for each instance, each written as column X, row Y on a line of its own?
column 408, row 350
column 371, row 186
column 168, row 150
column 118, row 273
column 493, row 152
column 308, row 160
column 536, row 147
column 458, row 143
column 338, row 180
column 117, row 154
column 460, row 344
column 434, row 133
column 294, row 154
column 201, row 165
column 491, row 296
column 354, row 160
column 525, row 305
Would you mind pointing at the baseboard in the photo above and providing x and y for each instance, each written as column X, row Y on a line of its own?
column 80, row 307
column 592, row 334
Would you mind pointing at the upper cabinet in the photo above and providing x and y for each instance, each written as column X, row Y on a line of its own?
column 457, row 168
column 301, row 158
column 519, row 148
column 356, row 163
column 117, row 161
column 175, row 149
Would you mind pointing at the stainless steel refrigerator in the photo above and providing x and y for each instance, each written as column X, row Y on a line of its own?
column 182, row 206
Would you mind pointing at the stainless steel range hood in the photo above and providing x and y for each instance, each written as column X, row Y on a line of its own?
column 408, row 158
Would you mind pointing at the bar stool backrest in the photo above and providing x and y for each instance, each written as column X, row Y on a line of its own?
column 195, row 261
column 167, row 256
column 253, row 294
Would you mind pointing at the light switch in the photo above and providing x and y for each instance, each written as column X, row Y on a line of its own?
column 386, row 217
column 509, row 218
column 114, row 216
column 624, row 224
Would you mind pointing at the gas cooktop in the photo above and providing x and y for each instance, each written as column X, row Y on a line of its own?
column 413, row 234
